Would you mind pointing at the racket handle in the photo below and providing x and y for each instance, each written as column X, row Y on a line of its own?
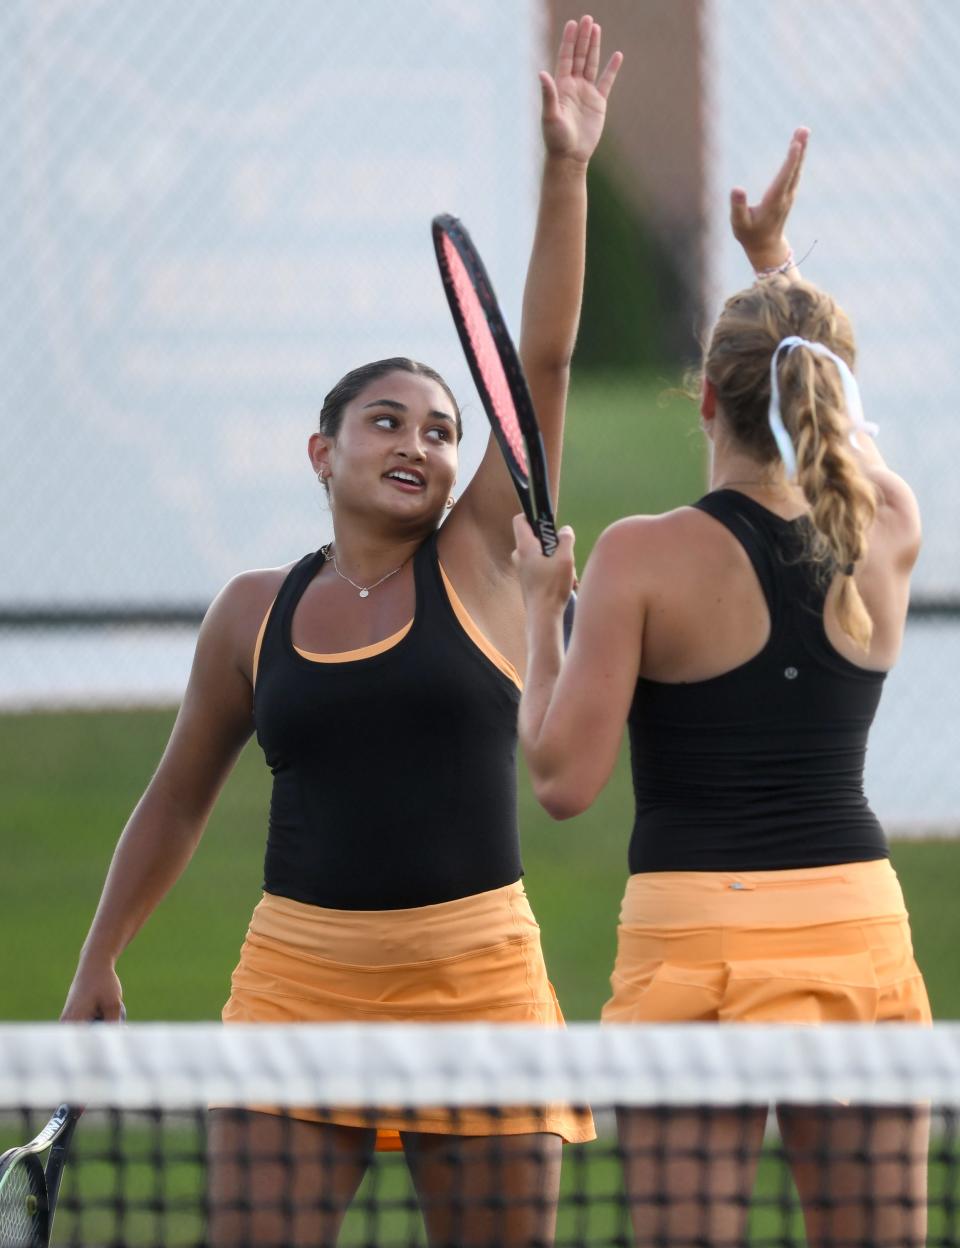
column 546, row 532
column 57, row 1160
column 568, row 613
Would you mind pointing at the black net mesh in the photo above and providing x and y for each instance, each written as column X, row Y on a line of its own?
column 667, row 1168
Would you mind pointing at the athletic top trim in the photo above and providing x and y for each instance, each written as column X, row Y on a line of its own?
column 479, row 639
column 363, row 652
column 482, row 643
column 394, row 776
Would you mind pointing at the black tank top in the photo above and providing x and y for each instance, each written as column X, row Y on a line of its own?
column 394, row 775
column 760, row 768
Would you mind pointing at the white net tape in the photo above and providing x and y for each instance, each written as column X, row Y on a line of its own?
column 178, row 1065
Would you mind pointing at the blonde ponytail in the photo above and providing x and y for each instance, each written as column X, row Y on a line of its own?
column 749, row 333
column 843, row 502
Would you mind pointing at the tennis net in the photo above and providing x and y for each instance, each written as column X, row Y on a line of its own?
column 862, row 1124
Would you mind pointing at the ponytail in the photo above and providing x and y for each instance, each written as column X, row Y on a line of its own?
column 780, row 358
column 842, row 500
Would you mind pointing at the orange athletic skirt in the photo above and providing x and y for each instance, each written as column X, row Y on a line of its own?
column 476, row 959
column 817, row 945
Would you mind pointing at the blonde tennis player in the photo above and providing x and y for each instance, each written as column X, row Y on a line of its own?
column 744, row 640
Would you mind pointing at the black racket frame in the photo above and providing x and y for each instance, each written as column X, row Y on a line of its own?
column 56, row 1136
column 532, row 486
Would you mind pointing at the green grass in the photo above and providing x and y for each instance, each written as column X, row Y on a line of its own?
column 69, row 782
column 141, row 1202
column 631, row 445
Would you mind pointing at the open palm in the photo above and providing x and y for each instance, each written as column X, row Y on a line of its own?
column 575, row 98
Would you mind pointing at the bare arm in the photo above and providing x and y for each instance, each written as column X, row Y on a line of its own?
column 574, row 110
column 897, row 522
column 161, row 835
column 573, row 708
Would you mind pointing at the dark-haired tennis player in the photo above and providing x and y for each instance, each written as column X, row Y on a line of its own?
column 382, row 677
column 744, row 640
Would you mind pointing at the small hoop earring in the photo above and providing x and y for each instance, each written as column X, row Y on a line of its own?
column 450, row 501
column 321, row 476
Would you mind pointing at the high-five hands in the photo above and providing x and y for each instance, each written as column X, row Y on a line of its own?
column 760, row 229
column 575, row 98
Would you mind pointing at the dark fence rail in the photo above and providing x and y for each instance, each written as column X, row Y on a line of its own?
column 178, row 615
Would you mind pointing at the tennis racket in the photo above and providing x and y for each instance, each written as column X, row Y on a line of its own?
column 28, row 1190
column 498, row 376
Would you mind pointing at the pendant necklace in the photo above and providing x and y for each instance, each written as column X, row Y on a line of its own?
column 362, row 590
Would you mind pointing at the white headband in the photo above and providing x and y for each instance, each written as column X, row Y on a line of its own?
column 851, row 394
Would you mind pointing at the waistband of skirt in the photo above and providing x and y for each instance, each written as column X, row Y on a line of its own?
column 796, row 897
column 447, row 929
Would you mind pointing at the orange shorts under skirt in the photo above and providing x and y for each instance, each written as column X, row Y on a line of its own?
column 817, row 945
column 476, row 959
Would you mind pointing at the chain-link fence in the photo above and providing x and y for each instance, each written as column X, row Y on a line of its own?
column 710, row 95
column 212, row 211
column 876, row 82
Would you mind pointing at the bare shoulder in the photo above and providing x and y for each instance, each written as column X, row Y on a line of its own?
column 234, row 617
column 897, row 527
column 252, row 589
column 896, row 533
column 246, row 596
column 654, row 539
column 656, row 562
column 896, row 496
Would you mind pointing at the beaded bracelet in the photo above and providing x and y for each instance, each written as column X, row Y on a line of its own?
column 777, row 268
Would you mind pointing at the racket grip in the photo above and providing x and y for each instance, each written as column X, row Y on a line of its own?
column 546, row 531
column 568, row 613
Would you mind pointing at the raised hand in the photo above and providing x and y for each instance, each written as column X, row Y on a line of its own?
column 760, row 228
column 575, row 98
column 544, row 580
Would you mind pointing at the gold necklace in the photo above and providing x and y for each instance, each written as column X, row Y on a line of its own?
column 362, row 590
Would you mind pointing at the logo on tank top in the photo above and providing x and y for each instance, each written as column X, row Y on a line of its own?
column 791, row 673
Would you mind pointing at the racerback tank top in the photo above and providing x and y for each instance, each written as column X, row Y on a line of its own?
column 760, row 768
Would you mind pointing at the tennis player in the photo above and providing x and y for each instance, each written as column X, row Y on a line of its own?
column 745, row 640
column 382, row 677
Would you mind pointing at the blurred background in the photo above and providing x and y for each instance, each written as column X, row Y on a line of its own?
column 211, row 212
